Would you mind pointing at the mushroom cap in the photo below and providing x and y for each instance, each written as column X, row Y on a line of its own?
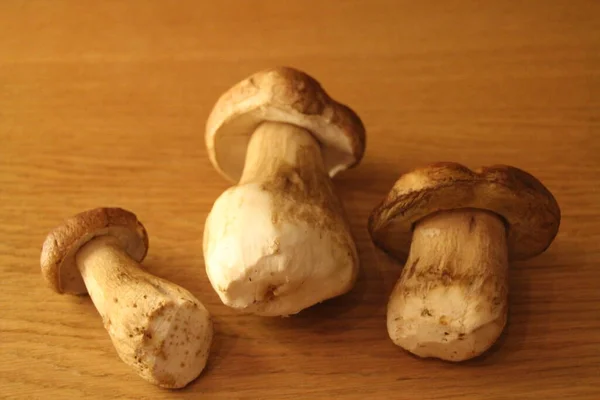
column 285, row 95
column 59, row 267
column 529, row 210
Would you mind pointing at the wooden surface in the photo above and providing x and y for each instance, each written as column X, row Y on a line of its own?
column 104, row 103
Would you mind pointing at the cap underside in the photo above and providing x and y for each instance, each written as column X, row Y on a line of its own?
column 58, row 261
column 231, row 143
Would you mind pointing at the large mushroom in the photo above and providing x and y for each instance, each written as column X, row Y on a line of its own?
column 157, row 327
column 278, row 241
column 459, row 229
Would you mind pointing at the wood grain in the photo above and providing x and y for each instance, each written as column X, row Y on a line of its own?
column 104, row 103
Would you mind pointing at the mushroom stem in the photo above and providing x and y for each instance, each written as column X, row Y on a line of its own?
column 279, row 151
column 451, row 299
column 157, row 327
column 278, row 242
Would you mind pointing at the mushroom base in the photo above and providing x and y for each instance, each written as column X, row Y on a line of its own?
column 451, row 300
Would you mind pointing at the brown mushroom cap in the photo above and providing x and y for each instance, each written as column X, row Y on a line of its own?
column 531, row 213
column 283, row 95
column 57, row 260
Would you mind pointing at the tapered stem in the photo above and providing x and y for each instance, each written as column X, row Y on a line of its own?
column 157, row 327
column 451, row 300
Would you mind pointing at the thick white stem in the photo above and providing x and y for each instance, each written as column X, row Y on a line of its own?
column 278, row 242
column 157, row 327
column 451, row 300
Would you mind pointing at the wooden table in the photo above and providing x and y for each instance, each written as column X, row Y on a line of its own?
column 104, row 104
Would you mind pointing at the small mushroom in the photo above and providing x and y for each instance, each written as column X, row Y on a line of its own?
column 279, row 242
column 157, row 327
column 459, row 229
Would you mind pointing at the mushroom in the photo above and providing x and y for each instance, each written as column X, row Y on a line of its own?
column 459, row 229
column 279, row 241
column 156, row 327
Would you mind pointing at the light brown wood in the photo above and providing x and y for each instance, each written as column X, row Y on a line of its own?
column 104, row 104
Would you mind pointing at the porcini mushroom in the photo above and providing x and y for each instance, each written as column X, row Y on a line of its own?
column 459, row 229
column 279, row 242
column 156, row 327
